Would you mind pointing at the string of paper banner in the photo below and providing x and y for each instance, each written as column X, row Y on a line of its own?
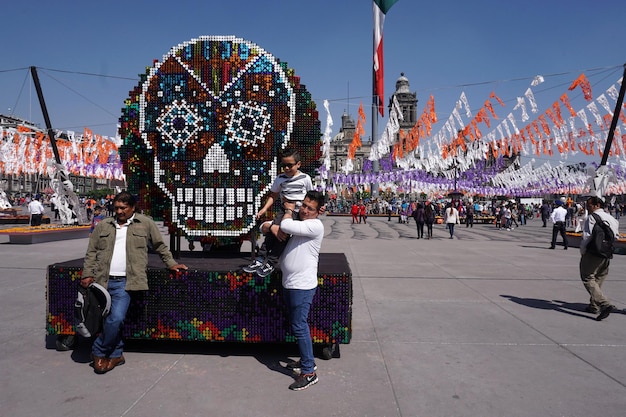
column 26, row 151
column 429, row 162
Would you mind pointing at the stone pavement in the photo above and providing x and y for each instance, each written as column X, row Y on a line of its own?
column 490, row 323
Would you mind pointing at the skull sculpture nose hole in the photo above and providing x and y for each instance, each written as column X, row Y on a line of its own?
column 216, row 160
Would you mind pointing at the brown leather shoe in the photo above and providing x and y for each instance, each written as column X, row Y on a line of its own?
column 100, row 364
column 113, row 362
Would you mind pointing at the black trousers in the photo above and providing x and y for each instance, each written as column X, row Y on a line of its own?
column 558, row 227
column 272, row 248
column 420, row 229
column 36, row 219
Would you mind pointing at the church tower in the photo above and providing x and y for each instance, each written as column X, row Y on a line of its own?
column 407, row 101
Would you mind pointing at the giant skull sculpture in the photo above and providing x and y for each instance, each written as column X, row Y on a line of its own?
column 215, row 112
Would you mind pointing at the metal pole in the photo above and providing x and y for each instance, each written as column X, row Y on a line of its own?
column 375, row 165
column 618, row 107
column 455, row 174
column 44, row 110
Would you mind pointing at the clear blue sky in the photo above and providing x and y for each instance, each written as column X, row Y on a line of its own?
column 443, row 48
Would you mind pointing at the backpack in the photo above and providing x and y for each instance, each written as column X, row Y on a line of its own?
column 92, row 305
column 602, row 241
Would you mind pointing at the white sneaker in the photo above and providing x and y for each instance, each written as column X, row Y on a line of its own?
column 254, row 266
column 264, row 270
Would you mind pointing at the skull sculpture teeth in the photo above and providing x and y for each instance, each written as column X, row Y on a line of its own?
column 215, row 112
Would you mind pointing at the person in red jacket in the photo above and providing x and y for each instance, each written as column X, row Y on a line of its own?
column 355, row 213
column 362, row 212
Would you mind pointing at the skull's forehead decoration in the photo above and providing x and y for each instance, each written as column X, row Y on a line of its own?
column 215, row 112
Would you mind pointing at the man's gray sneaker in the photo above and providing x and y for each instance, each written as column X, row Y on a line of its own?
column 304, row 381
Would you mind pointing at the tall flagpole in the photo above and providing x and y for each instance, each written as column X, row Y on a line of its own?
column 375, row 165
column 380, row 9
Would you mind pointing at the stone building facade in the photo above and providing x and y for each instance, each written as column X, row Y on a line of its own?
column 340, row 142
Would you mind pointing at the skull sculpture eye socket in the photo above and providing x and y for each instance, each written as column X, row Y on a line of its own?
column 216, row 112
column 178, row 123
column 249, row 124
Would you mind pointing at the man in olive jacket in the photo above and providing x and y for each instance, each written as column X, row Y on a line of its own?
column 117, row 259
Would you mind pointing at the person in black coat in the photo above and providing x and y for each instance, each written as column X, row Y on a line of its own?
column 420, row 218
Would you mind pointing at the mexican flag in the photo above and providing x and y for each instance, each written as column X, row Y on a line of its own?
column 381, row 7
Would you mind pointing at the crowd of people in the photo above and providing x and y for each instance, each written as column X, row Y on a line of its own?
column 37, row 205
column 506, row 215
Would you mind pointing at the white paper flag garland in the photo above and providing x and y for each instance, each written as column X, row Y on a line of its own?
column 596, row 114
column 521, row 104
column 387, row 139
column 537, row 80
column 325, row 148
column 547, row 134
column 463, row 100
column 531, row 100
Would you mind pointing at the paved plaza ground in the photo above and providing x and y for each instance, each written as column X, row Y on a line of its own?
column 490, row 323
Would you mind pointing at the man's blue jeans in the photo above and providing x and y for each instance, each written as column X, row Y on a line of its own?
column 298, row 304
column 109, row 343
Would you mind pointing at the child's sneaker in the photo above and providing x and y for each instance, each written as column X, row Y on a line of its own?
column 253, row 267
column 304, row 381
column 265, row 270
column 296, row 366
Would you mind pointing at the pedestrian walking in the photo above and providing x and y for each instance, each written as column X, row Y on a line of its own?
column 558, row 224
column 451, row 217
column 420, row 219
column 594, row 268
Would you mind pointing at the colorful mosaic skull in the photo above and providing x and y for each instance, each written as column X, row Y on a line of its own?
column 215, row 112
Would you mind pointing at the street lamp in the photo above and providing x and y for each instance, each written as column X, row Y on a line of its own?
column 456, row 173
column 456, row 194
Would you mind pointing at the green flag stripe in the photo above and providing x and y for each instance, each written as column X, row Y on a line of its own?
column 385, row 5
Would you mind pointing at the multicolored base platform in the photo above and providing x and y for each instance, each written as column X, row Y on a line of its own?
column 42, row 234
column 214, row 301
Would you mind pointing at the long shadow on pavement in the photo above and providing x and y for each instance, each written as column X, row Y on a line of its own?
column 272, row 355
column 560, row 306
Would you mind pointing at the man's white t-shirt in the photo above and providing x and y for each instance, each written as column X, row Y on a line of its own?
column 299, row 260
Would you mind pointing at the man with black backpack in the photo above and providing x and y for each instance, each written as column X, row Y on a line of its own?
column 599, row 232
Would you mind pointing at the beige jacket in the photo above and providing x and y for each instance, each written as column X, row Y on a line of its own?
column 142, row 233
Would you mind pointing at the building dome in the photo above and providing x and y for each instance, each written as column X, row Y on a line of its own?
column 402, row 84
